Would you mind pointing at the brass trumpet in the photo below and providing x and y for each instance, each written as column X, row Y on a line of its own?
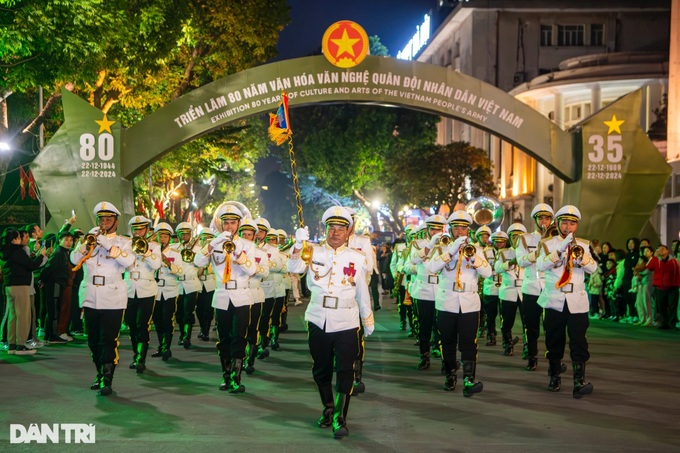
column 187, row 252
column 228, row 246
column 469, row 250
column 577, row 252
column 139, row 245
column 445, row 239
column 551, row 231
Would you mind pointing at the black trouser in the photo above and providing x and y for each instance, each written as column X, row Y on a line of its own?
column 416, row 317
column 458, row 329
column 76, row 311
column 103, row 327
column 204, row 310
column 232, row 329
column 557, row 325
column 404, row 309
column 335, row 348
column 667, row 306
column 508, row 315
column 373, row 286
column 185, row 315
column 629, row 301
column 163, row 320
column 51, row 294
column 531, row 317
column 426, row 316
column 491, row 310
column 253, row 325
column 266, row 320
column 276, row 312
column 137, row 317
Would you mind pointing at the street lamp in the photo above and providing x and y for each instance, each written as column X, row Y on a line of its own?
column 4, row 146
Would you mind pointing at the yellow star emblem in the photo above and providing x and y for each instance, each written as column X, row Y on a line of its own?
column 104, row 125
column 345, row 44
column 614, row 125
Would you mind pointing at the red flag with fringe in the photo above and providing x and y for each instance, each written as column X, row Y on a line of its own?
column 279, row 124
column 31, row 185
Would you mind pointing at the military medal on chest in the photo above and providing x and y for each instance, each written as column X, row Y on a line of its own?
column 349, row 273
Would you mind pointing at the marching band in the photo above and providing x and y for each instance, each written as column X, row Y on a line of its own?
column 238, row 271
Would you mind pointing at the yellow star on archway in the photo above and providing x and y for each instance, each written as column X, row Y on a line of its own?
column 614, row 125
column 104, row 125
column 345, row 44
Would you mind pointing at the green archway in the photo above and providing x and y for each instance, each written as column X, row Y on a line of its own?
column 91, row 158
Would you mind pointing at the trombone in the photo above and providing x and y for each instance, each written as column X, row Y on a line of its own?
column 140, row 245
column 187, row 252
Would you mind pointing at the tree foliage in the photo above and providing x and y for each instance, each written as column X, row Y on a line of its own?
column 438, row 175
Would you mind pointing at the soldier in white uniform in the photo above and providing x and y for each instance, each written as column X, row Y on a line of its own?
column 270, row 284
column 247, row 232
column 508, row 294
column 272, row 240
column 339, row 303
column 204, row 310
column 189, row 284
column 490, row 286
column 103, row 293
column 410, row 273
column 168, row 290
column 533, row 282
column 457, row 301
column 565, row 260
column 425, row 287
column 142, row 289
column 233, row 260
column 399, row 255
column 287, row 280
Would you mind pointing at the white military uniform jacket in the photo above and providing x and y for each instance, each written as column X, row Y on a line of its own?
column 206, row 276
column 511, row 281
column 424, row 285
column 141, row 275
column 287, row 281
column 168, row 286
column 490, row 255
column 337, row 281
column 397, row 261
column 363, row 244
column 451, row 297
column 235, row 291
column 188, row 281
column 527, row 252
column 255, row 281
column 103, row 287
column 552, row 263
column 276, row 266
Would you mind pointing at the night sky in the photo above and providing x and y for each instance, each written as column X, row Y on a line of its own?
column 394, row 21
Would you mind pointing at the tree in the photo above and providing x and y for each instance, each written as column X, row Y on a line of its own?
column 438, row 175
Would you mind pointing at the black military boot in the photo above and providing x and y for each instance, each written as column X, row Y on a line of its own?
column 326, row 419
column 235, row 385
column 226, row 373
column 424, row 363
column 135, row 357
column 340, row 416
column 96, row 385
column 470, row 386
column 274, row 335
column 525, row 351
column 141, row 358
column 359, row 386
column 107, row 379
column 509, row 343
column 491, row 339
column 187, row 336
column 252, row 352
column 581, row 387
column 532, row 363
column 451, row 378
column 554, row 371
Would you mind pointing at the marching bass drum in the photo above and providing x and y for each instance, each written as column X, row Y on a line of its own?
column 485, row 210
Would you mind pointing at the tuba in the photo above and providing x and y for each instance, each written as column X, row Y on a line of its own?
column 485, row 210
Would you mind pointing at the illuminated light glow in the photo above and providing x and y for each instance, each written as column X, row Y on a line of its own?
column 417, row 42
column 4, row 146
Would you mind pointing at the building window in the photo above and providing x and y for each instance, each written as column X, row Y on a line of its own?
column 570, row 35
column 546, row 35
column 597, row 34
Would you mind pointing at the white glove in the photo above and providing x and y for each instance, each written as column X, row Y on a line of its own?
column 238, row 249
column 105, row 242
column 368, row 330
column 457, row 244
column 301, row 235
column 433, row 240
column 221, row 239
column 565, row 243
